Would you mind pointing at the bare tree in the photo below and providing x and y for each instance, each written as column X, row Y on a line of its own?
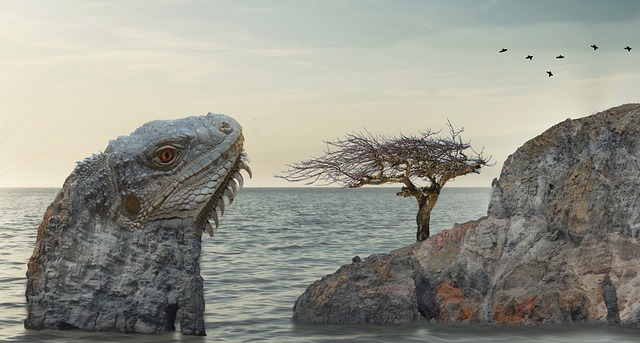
column 366, row 159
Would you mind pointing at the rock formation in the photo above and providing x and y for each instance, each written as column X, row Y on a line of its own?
column 118, row 248
column 560, row 243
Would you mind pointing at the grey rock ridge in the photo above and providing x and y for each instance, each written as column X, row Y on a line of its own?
column 560, row 243
column 118, row 248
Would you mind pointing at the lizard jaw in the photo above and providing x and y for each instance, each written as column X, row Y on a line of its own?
column 225, row 194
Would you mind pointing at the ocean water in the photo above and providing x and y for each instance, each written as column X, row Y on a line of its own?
column 272, row 243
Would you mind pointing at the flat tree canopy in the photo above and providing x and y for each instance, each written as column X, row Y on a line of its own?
column 365, row 159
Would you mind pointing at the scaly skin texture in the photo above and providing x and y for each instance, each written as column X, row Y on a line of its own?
column 118, row 248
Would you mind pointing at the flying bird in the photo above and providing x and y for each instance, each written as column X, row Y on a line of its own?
column 549, row 73
column 595, row 47
column 560, row 56
column 628, row 48
column 503, row 50
column 529, row 57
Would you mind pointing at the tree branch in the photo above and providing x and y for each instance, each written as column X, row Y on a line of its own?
column 365, row 159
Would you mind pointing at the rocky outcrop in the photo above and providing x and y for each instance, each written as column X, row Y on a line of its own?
column 560, row 243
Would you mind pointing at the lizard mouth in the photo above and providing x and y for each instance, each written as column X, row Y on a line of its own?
column 214, row 209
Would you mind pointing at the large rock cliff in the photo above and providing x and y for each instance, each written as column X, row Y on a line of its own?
column 560, row 243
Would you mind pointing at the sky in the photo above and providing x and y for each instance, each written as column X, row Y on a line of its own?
column 75, row 74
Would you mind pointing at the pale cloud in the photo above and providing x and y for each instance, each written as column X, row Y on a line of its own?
column 167, row 40
column 467, row 93
column 279, row 52
column 488, row 4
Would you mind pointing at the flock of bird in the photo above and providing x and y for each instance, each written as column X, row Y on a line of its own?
column 549, row 73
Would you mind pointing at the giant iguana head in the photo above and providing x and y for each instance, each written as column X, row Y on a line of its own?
column 179, row 170
column 119, row 247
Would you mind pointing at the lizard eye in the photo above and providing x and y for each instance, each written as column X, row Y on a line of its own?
column 166, row 155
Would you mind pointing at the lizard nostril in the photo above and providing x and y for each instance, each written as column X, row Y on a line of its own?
column 225, row 127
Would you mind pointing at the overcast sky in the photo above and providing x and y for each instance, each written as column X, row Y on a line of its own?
column 75, row 74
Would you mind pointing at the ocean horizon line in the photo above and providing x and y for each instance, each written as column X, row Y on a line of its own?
column 279, row 187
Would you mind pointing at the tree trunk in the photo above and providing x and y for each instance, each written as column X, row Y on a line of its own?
column 426, row 201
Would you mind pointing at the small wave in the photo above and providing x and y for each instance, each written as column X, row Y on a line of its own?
column 286, row 247
column 5, row 280
column 10, row 305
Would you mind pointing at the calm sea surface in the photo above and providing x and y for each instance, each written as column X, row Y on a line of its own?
column 272, row 243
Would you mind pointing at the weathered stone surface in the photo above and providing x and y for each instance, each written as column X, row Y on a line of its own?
column 559, row 244
column 118, row 248
column 379, row 289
